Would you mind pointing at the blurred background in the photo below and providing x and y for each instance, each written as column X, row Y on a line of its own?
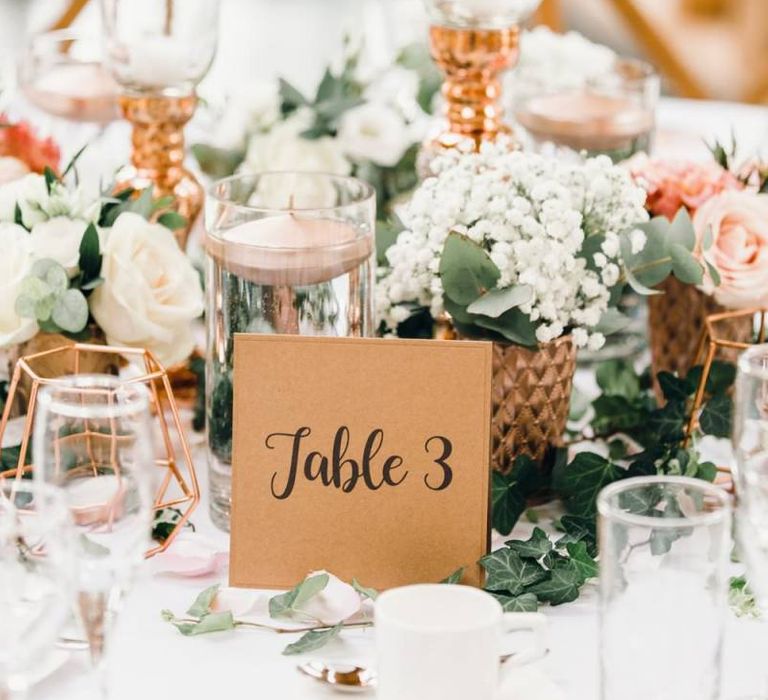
column 711, row 49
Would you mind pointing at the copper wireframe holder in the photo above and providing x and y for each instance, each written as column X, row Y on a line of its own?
column 179, row 488
column 706, row 352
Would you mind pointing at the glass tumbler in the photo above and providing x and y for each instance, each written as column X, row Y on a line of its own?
column 287, row 253
column 664, row 549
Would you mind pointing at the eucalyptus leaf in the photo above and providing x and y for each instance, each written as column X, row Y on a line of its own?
column 466, row 270
column 70, row 312
column 513, row 325
column 713, row 273
column 284, row 604
column 686, row 268
column 496, row 301
column 681, row 231
column 142, row 205
column 612, row 321
column 52, row 273
column 172, row 220
column 312, row 641
column 364, row 591
column 202, row 604
column 211, row 622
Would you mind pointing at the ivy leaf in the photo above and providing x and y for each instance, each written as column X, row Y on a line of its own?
column 466, row 270
column 535, row 547
column 580, row 481
column 369, row 593
column 674, row 388
column 313, row 640
column 455, row 577
column 525, row 602
column 716, row 416
column 509, row 492
column 562, row 584
column 668, row 423
column 618, row 378
column 582, row 559
column 204, row 601
column 212, row 622
column 496, row 301
column 507, row 572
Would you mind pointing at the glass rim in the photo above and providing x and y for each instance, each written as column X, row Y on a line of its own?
column 747, row 364
column 368, row 192
column 65, row 34
column 608, row 510
column 76, row 384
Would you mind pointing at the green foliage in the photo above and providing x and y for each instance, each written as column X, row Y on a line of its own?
column 455, row 577
column 741, row 599
column 217, row 162
column 165, row 521
column 287, row 604
column 312, row 640
column 510, row 491
column 364, row 591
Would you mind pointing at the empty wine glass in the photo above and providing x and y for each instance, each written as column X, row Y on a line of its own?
column 92, row 438
column 36, row 576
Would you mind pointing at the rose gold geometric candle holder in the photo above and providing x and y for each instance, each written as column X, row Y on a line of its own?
column 157, row 156
column 472, row 60
column 179, row 488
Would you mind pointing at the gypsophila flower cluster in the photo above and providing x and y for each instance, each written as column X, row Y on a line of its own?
column 532, row 215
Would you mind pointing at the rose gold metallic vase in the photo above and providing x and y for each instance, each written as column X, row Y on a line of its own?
column 157, row 158
column 531, row 391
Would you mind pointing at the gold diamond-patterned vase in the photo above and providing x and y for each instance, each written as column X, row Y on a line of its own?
column 676, row 322
column 531, row 391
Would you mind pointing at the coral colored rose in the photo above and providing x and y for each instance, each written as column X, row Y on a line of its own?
column 673, row 184
column 20, row 141
column 739, row 252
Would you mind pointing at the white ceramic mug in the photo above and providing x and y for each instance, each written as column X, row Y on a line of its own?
column 443, row 642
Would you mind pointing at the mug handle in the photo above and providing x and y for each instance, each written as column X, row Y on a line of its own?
column 537, row 624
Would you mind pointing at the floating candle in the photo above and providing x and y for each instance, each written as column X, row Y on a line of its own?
column 287, row 250
column 584, row 121
column 95, row 500
column 77, row 91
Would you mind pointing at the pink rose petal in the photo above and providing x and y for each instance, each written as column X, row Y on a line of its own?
column 191, row 554
column 337, row 602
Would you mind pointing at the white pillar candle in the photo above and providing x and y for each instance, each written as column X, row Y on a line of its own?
column 288, row 250
column 158, row 61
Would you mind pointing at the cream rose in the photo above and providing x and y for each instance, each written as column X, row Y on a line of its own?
column 59, row 239
column 15, row 264
column 375, row 132
column 151, row 293
column 738, row 221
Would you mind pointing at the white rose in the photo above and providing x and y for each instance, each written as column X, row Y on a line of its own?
column 15, row 264
column 255, row 108
column 59, row 239
column 375, row 132
column 150, row 294
column 284, row 149
column 12, row 169
column 37, row 204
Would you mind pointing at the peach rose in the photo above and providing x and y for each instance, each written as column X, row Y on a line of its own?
column 738, row 221
column 672, row 184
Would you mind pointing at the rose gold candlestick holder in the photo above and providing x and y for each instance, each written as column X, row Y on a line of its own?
column 472, row 60
column 157, row 159
column 178, row 487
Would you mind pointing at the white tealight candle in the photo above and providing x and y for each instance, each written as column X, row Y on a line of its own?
column 287, row 250
column 158, row 61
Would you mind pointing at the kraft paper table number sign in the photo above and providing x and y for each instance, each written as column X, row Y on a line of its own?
column 368, row 458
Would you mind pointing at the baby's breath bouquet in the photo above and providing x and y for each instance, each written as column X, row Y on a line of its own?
column 521, row 248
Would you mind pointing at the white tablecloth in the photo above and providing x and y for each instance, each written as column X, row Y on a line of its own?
column 151, row 660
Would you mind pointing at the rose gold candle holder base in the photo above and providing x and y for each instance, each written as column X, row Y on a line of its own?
column 471, row 60
column 179, row 488
column 157, row 159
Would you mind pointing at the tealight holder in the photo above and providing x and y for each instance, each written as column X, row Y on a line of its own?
column 158, row 51
column 472, row 42
column 178, row 489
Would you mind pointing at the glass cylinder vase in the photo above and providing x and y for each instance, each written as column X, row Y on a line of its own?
column 287, row 253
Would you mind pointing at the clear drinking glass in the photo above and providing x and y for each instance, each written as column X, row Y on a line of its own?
column 664, row 549
column 287, row 253
column 36, row 577
column 613, row 113
column 93, row 439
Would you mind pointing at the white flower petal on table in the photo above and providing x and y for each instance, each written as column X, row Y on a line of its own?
column 337, row 602
column 191, row 554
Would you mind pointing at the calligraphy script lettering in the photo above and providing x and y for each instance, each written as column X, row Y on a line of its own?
column 343, row 472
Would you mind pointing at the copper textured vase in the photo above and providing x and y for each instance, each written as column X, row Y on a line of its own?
column 676, row 322
column 531, row 392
